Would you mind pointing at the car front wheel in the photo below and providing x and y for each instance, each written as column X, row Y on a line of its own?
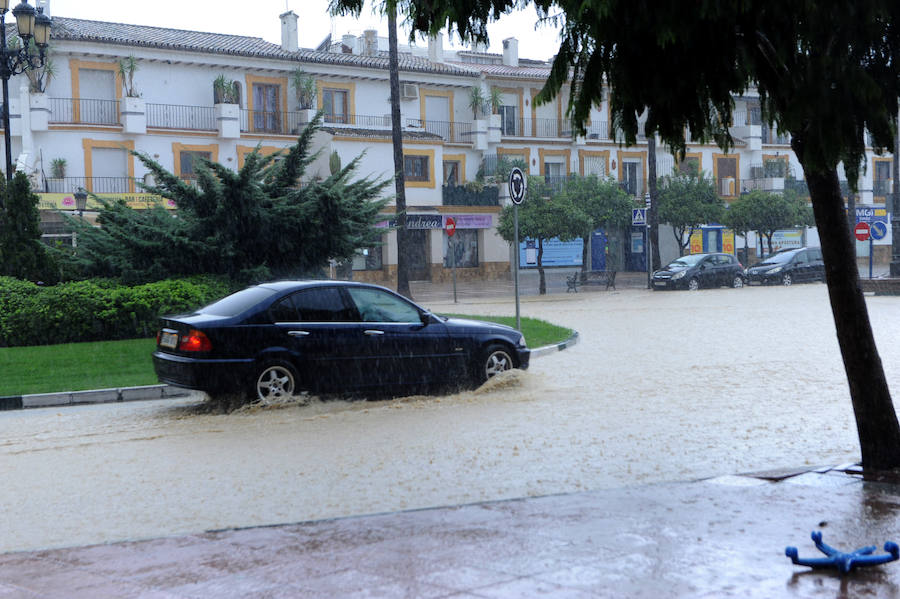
column 275, row 380
column 787, row 279
column 494, row 360
column 693, row 284
column 738, row 282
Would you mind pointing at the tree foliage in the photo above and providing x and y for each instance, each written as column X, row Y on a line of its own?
column 259, row 222
column 686, row 201
column 767, row 212
column 543, row 215
column 604, row 202
column 22, row 254
column 826, row 73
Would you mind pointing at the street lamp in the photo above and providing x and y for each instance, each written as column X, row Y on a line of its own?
column 31, row 24
column 81, row 202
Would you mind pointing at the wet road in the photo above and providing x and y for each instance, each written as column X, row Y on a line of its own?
column 662, row 387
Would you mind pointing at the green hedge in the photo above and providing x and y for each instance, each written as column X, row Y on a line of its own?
column 95, row 310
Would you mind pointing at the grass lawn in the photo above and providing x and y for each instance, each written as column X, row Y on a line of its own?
column 109, row 364
column 76, row 366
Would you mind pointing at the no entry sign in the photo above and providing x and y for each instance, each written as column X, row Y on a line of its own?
column 450, row 226
column 861, row 230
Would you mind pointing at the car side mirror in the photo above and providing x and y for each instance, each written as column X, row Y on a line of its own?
column 427, row 317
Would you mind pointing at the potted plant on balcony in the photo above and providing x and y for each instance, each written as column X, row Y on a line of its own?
column 306, row 90
column 134, row 110
column 127, row 68
column 226, row 98
column 56, row 182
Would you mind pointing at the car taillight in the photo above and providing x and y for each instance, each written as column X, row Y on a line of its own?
column 195, row 341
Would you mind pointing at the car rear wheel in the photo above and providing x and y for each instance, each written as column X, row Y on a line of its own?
column 737, row 282
column 275, row 380
column 494, row 360
column 693, row 284
column 787, row 279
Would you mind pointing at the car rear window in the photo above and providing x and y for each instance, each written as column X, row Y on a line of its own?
column 236, row 303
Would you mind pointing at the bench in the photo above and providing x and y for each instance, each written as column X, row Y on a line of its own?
column 591, row 277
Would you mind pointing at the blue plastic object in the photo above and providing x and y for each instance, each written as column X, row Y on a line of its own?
column 844, row 562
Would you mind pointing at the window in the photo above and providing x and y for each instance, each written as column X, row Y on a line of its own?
column 266, row 113
column 726, row 174
column 188, row 162
column 324, row 304
column 689, row 166
column 108, row 167
column 417, row 167
column 368, row 259
column 881, row 179
column 509, row 121
column 378, row 306
column 96, row 91
column 463, row 248
column 335, row 104
column 451, row 172
column 631, row 177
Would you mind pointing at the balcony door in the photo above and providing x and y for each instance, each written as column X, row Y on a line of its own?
column 97, row 104
column 109, row 168
column 437, row 115
column 266, row 115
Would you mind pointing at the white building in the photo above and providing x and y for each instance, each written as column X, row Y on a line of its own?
column 77, row 130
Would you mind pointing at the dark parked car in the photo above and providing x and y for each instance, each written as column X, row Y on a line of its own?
column 788, row 267
column 278, row 339
column 700, row 270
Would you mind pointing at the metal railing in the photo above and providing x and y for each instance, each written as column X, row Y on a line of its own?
column 773, row 136
column 82, row 110
column 176, row 116
column 365, row 121
column 597, row 130
column 92, row 184
column 452, row 131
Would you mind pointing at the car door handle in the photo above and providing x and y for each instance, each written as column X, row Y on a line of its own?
column 298, row 333
column 372, row 332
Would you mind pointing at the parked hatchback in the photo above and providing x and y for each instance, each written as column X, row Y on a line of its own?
column 277, row 339
column 700, row 270
column 789, row 267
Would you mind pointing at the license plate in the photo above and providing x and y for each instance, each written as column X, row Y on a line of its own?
column 659, row 283
column 169, row 340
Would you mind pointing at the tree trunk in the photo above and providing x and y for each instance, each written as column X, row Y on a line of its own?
column 652, row 218
column 876, row 420
column 542, row 286
column 895, row 208
column 399, row 178
column 585, row 248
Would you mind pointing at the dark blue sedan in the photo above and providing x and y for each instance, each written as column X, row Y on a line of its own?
column 278, row 339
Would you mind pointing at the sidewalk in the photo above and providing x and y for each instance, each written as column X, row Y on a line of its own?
column 721, row 537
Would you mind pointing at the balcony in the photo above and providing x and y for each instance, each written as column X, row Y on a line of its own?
column 92, row 184
column 463, row 195
column 449, row 131
column 773, row 136
column 175, row 116
column 76, row 110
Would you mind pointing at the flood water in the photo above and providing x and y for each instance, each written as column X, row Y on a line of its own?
column 661, row 387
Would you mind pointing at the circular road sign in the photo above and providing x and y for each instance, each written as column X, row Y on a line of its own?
column 450, row 226
column 878, row 229
column 517, row 184
column 861, row 230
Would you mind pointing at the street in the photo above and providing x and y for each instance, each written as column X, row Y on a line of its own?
column 661, row 387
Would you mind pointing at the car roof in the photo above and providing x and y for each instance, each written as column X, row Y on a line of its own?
column 307, row 283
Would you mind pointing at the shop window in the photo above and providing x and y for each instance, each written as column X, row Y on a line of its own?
column 463, row 248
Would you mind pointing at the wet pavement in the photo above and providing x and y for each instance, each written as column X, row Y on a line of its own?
column 719, row 537
column 722, row 537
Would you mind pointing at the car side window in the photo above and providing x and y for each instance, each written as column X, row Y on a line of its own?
column 800, row 258
column 375, row 305
column 321, row 304
column 283, row 311
column 815, row 255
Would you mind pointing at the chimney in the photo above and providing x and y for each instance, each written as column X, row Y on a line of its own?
column 349, row 43
column 288, row 31
column 436, row 48
column 45, row 4
column 370, row 43
column 511, row 52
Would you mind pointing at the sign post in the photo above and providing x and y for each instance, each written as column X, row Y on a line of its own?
column 517, row 186
column 450, row 228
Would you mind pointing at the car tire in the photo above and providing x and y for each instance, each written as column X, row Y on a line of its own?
column 786, row 279
column 275, row 379
column 737, row 282
column 494, row 359
column 693, row 284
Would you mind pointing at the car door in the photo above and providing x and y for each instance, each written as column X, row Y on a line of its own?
column 816, row 265
column 801, row 266
column 320, row 331
column 400, row 347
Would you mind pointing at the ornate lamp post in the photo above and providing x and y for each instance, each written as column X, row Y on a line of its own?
column 31, row 23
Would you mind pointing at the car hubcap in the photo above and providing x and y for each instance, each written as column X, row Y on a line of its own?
column 693, row 285
column 497, row 362
column 738, row 282
column 275, row 382
column 786, row 279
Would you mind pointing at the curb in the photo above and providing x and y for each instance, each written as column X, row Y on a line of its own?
column 556, row 347
column 71, row 398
